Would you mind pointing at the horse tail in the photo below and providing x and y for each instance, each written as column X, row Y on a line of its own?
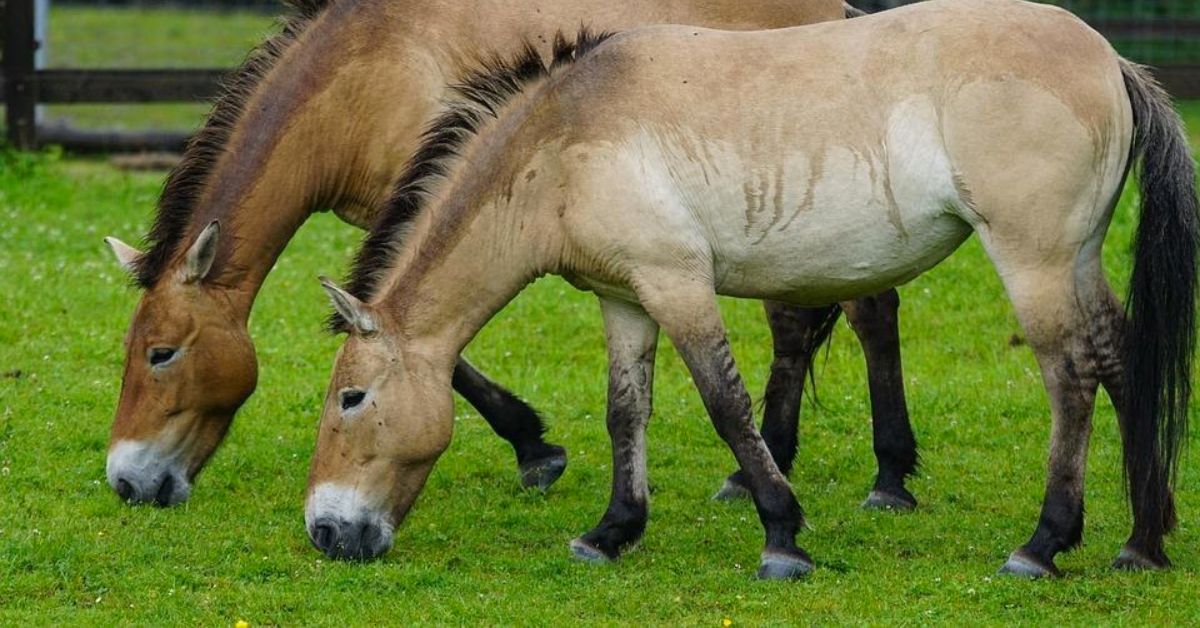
column 824, row 332
column 1161, row 307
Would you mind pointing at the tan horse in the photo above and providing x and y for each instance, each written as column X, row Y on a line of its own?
column 888, row 140
column 325, row 115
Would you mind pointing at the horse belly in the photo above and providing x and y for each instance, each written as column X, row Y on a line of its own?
column 857, row 254
column 844, row 223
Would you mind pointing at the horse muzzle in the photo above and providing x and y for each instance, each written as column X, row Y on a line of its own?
column 140, row 475
column 342, row 527
column 347, row 540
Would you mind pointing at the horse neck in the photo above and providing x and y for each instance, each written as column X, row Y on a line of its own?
column 467, row 260
column 329, row 127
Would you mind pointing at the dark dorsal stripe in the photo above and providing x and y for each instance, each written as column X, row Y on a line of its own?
column 187, row 180
column 476, row 100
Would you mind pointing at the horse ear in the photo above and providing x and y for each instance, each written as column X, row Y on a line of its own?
column 204, row 250
column 127, row 256
column 355, row 312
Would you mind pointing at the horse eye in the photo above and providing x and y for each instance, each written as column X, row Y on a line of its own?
column 161, row 355
column 352, row 397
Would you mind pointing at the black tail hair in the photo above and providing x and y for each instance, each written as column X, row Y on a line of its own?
column 1161, row 331
column 852, row 11
column 824, row 331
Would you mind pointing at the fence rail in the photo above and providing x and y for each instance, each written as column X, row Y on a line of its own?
column 125, row 86
column 24, row 87
column 1158, row 28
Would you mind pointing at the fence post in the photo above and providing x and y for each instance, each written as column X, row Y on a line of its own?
column 41, row 33
column 19, row 97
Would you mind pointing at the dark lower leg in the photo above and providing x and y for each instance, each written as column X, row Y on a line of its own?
column 1060, row 526
column 514, row 421
column 632, row 338
column 1072, row 386
column 875, row 321
column 796, row 334
column 686, row 307
column 624, row 520
column 715, row 374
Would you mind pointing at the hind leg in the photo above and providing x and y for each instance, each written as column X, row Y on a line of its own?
column 875, row 321
column 796, row 334
column 1144, row 549
column 686, row 308
column 1059, row 331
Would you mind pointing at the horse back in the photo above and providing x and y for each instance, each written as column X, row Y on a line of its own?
column 874, row 142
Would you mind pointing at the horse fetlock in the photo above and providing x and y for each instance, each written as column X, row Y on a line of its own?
column 889, row 490
column 588, row 552
column 784, row 564
column 1135, row 558
column 622, row 526
column 541, row 473
column 1025, row 564
column 735, row 488
column 896, row 499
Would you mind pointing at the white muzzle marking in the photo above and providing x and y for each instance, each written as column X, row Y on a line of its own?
column 141, row 465
column 343, row 504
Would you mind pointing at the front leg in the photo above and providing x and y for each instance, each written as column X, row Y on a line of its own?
column 540, row 463
column 632, row 338
column 687, row 310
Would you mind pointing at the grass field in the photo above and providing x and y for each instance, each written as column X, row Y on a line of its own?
column 478, row 549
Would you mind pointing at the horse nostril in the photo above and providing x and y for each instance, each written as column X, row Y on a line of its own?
column 351, row 547
column 324, row 535
column 371, row 541
column 124, row 489
column 163, row 497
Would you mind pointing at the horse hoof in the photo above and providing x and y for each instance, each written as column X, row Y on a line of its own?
column 583, row 551
column 1132, row 560
column 731, row 491
column 880, row 500
column 543, row 472
column 1024, row 565
column 784, row 566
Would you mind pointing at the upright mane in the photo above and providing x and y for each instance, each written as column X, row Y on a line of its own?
column 185, row 182
column 477, row 99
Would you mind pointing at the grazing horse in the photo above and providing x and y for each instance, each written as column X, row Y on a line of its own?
column 887, row 141
column 325, row 115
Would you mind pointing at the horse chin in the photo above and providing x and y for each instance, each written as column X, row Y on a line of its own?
column 140, row 474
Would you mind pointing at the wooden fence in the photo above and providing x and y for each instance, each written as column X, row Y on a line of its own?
column 25, row 87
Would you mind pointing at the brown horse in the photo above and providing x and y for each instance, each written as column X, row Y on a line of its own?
column 325, row 115
column 888, row 139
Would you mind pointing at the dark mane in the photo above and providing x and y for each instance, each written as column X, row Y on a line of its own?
column 185, row 182
column 477, row 99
